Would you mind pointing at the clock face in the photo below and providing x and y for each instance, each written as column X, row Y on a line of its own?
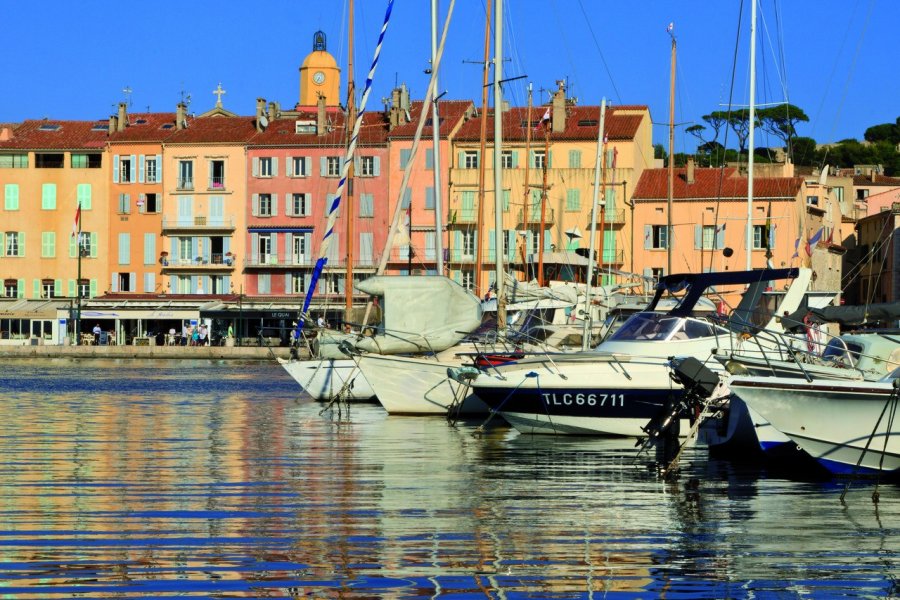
column 319, row 77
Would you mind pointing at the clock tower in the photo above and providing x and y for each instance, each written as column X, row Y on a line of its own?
column 319, row 75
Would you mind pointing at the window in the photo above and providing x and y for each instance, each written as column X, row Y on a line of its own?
column 333, row 166
column 658, row 273
column 265, row 205
column 124, row 204
column 301, row 248
column 574, row 159
column 539, row 159
column 11, row 288
column 125, row 280
column 862, row 194
column 151, row 203
column 470, row 159
column 298, row 284
column 126, row 170
column 367, row 206
column 48, row 244
column 506, row 159
column 367, row 166
column 185, row 175
column 468, row 243
column 85, row 161
column 708, row 241
column 48, row 288
column 761, row 241
column 14, row 245
column 468, row 280
column 331, row 286
column 185, row 251
column 216, row 174
column 265, row 166
column 87, row 248
column 264, row 248
column 812, row 200
column 573, row 200
column 13, row 161
column 300, row 205
column 49, row 160
column 508, row 240
column 304, row 127
column 658, row 237
column 299, row 166
column 535, row 243
column 152, row 169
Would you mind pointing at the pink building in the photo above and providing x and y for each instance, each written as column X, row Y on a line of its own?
column 294, row 166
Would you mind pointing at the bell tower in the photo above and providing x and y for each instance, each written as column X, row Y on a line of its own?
column 319, row 75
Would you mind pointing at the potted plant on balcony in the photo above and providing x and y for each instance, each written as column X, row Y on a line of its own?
column 164, row 258
column 229, row 258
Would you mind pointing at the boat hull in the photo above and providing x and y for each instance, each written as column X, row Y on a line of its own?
column 416, row 386
column 597, row 395
column 832, row 421
column 323, row 379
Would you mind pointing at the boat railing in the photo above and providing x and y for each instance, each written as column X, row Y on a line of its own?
column 417, row 339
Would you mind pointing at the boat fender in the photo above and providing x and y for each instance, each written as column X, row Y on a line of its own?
column 463, row 375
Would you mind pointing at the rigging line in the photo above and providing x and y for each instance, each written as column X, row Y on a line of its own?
column 721, row 180
column 830, row 78
column 612, row 81
column 837, row 113
column 345, row 169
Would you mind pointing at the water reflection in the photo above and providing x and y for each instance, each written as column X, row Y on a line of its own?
column 199, row 479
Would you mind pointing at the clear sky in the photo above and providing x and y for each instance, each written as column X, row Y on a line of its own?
column 837, row 58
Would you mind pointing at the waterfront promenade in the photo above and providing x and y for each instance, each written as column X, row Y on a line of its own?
column 261, row 353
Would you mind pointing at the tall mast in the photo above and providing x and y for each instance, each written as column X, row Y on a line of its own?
column 348, row 212
column 586, row 332
column 527, row 193
column 669, row 235
column 479, row 227
column 498, row 164
column 436, row 137
column 750, row 140
column 540, row 273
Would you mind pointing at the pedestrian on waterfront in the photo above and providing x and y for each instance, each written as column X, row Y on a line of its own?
column 321, row 322
column 185, row 334
column 97, row 331
column 230, row 330
column 195, row 336
column 202, row 336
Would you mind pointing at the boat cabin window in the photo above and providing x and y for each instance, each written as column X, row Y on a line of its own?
column 839, row 350
column 647, row 326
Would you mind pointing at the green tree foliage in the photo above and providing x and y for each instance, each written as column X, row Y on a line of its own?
column 886, row 132
column 804, row 151
column 659, row 151
column 781, row 121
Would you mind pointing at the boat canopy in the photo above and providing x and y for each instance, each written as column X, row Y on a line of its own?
column 853, row 315
column 421, row 314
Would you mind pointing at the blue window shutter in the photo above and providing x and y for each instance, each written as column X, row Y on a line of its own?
column 492, row 252
column 114, row 284
column 254, row 205
column 159, row 168
column 115, row 168
column 720, row 239
column 307, row 279
column 429, row 198
column 404, row 157
column 377, row 161
column 288, row 247
column 429, row 158
column 141, row 163
column 648, row 237
column 132, row 282
column 698, row 236
column 254, row 248
column 124, row 248
column 254, row 166
column 195, row 248
column 274, row 166
column 323, row 166
column 407, row 198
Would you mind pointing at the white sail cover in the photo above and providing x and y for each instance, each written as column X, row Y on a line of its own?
column 421, row 314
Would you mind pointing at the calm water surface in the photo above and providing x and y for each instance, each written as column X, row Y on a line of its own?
column 219, row 480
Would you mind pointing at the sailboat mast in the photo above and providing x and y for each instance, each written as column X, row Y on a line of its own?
column 436, row 137
column 479, row 227
column 527, row 193
column 586, row 332
column 750, row 140
column 348, row 213
column 669, row 235
column 540, row 273
column 498, row 164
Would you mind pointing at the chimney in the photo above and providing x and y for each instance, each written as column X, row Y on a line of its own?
column 123, row 117
column 690, row 170
column 260, row 111
column 396, row 112
column 5, row 134
column 558, row 116
column 273, row 111
column 874, row 174
column 320, row 115
column 113, row 124
column 180, row 115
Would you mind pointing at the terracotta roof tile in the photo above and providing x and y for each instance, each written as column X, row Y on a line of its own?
column 46, row 134
column 711, row 184
column 450, row 113
column 146, row 127
column 582, row 123
column 281, row 132
column 880, row 180
column 215, row 130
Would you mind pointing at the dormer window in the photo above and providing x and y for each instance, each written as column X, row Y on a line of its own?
column 304, row 127
column 50, row 127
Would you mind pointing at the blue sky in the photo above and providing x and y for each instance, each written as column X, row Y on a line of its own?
column 71, row 60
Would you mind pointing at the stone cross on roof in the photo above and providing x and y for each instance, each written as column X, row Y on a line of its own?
column 219, row 92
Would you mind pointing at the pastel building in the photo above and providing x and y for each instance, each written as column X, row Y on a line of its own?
column 419, row 200
column 47, row 169
column 566, row 143
column 294, row 165
column 136, row 209
column 205, row 194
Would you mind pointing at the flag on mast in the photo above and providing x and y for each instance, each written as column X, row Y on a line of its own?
column 77, row 222
column 544, row 119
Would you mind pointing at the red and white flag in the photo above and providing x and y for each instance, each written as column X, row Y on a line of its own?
column 544, row 119
column 77, row 222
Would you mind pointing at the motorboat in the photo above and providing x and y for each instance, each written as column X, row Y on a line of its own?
column 624, row 383
column 848, row 426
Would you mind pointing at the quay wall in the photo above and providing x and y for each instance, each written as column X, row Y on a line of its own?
column 146, row 352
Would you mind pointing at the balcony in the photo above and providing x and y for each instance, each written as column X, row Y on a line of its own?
column 271, row 261
column 217, row 184
column 214, row 263
column 463, row 216
column 185, row 183
column 613, row 257
column 532, row 216
column 198, row 223
column 399, row 255
column 612, row 217
column 459, row 256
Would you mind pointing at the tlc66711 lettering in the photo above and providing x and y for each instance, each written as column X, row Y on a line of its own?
column 584, row 399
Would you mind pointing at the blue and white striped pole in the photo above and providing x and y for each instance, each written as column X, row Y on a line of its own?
column 345, row 169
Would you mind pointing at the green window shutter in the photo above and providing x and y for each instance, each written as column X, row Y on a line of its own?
column 115, row 168
column 609, row 248
column 83, row 195
column 57, row 287
column 515, row 159
column 573, row 200
column 506, row 196
column 21, row 243
column 93, row 288
column 149, row 248
column 48, row 244
column 429, row 159
column 550, row 159
column 20, row 288
column 610, row 199
column 36, row 289
column 574, row 159
column 11, row 196
column 492, row 245
column 72, row 247
column 124, row 248
column 72, row 293
column 93, row 245
column 48, row 196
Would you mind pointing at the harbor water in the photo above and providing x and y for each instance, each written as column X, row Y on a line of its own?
column 215, row 479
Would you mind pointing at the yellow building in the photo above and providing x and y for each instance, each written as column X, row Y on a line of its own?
column 564, row 138
column 47, row 169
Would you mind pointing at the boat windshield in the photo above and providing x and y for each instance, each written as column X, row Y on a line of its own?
column 839, row 350
column 646, row 326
